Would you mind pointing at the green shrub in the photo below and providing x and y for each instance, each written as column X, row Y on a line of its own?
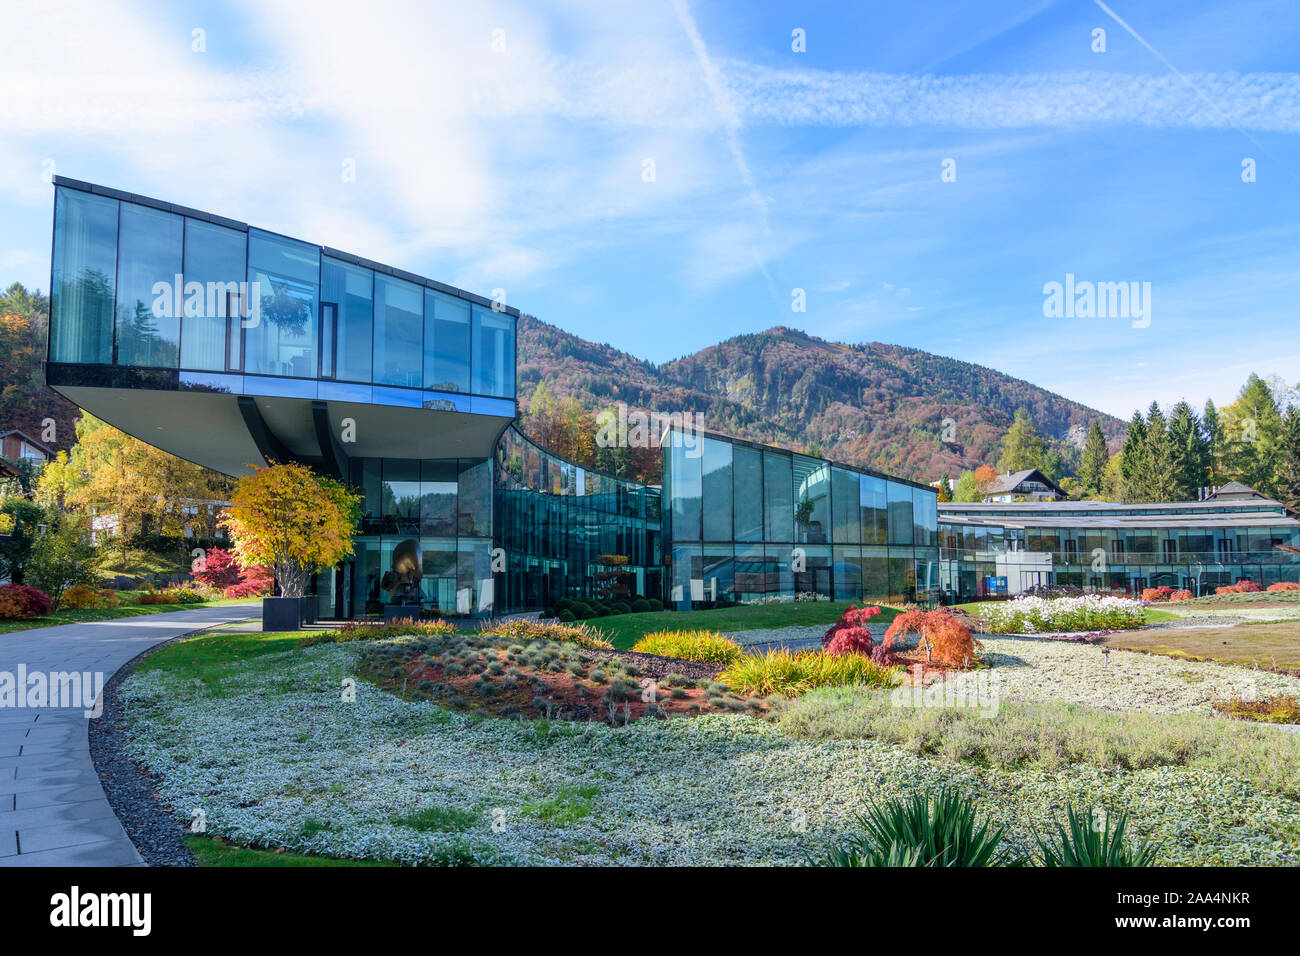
column 793, row 673
column 1087, row 844
column 547, row 614
column 565, row 616
column 621, row 607
column 583, row 612
column 922, row 832
column 655, row 604
column 641, row 605
column 707, row 646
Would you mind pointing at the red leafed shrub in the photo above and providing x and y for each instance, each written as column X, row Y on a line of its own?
column 19, row 601
column 1283, row 586
column 1181, row 595
column 1161, row 593
column 221, row 569
column 256, row 580
column 850, row 634
column 1244, row 586
column 850, row 640
column 944, row 639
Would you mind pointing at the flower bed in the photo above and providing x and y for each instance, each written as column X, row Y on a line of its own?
column 275, row 758
column 1091, row 612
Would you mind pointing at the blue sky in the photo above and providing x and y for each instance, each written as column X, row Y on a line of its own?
column 774, row 170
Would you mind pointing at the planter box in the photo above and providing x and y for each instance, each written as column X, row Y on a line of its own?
column 309, row 606
column 401, row 612
column 281, row 614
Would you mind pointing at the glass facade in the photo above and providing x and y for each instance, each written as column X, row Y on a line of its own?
column 1194, row 547
column 745, row 523
column 567, row 531
column 143, row 285
column 211, row 305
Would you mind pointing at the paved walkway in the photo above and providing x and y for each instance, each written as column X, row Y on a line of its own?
column 53, row 811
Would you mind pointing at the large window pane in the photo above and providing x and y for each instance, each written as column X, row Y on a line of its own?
column 717, row 490
column 148, row 261
column 282, row 340
column 778, row 507
column 399, row 332
column 446, row 342
column 748, row 497
column 494, row 353
column 438, row 498
column 873, row 509
column 474, row 498
column 214, row 269
column 812, row 489
column 925, row 517
column 85, row 269
column 685, row 465
column 350, row 289
column 900, row 513
column 846, row 500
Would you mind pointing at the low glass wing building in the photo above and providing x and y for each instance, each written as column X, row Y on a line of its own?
column 232, row 347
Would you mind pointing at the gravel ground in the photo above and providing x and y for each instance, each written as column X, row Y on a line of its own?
column 792, row 637
column 130, row 788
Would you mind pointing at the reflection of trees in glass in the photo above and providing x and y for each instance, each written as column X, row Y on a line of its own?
column 288, row 312
column 140, row 343
column 83, row 331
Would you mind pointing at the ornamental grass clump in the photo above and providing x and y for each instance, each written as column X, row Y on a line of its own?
column 578, row 633
column 694, row 645
column 943, row 639
column 794, row 673
column 1089, row 612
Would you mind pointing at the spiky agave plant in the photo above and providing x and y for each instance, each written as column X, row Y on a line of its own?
column 920, row 831
column 1089, row 845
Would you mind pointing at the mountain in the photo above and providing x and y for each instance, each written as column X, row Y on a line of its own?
column 876, row 405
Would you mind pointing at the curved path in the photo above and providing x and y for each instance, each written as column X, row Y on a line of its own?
column 53, row 811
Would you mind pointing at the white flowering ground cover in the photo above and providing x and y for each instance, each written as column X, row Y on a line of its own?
column 1036, row 615
column 274, row 756
column 1040, row 670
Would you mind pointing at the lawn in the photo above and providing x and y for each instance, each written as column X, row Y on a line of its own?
column 624, row 630
column 107, row 614
column 214, row 852
column 1266, row 643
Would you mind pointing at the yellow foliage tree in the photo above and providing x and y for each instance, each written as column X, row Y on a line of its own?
column 292, row 521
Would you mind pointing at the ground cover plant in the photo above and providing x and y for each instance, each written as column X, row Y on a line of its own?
column 254, row 729
column 1090, row 612
column 1050, row 736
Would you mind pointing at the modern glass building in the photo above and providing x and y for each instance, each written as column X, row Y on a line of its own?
column 232, row 347
column 744, row 522
column 1194, row 545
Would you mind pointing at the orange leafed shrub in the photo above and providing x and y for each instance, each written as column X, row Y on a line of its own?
column 946, row 640
column 1181, row 595
column 1283, row 586
column 80, row 596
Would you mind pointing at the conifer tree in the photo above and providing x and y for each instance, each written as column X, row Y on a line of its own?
column 1092, row 466
column 1189, row 453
